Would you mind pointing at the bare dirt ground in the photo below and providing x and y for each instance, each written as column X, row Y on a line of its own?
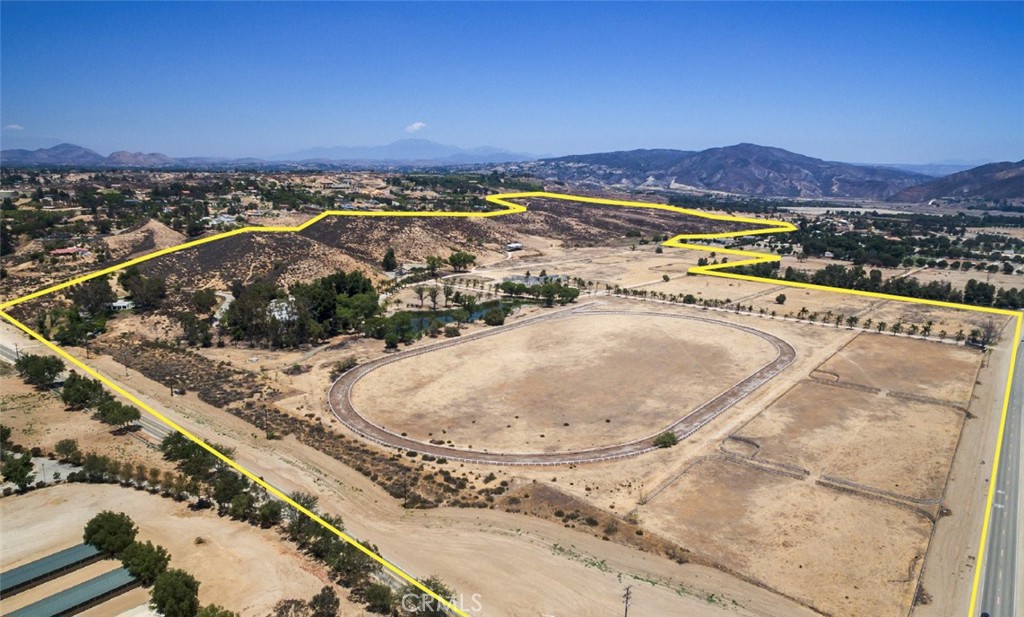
column 959, row 278
column 152, row 236
column 239, row 566
column 899, row 446
column 910, row 366
column 573, row 383
column 841, row 554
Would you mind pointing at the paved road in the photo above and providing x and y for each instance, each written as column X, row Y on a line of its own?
column 340, row 400
column 8, row 355
column 999, row 573
column 154, row 427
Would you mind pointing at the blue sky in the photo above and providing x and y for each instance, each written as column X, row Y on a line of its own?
column 861, row 82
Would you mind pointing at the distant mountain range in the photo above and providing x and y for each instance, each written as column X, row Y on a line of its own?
column 406, row 152
column 749, row 169
column 746, row 169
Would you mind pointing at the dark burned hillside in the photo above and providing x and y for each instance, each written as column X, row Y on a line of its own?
column 280, row 257
column 359, row 243
column 580, row 224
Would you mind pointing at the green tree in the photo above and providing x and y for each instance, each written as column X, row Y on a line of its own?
column 80, row 392
column 379, row 598
column 389, row 263
column 110, row 532
column 212, row 610
column 68, row 450
column 425, row 604
column 432, row 294
column 145, row 561
column 227, row 485
column 146, row 292
column 780, row 299
column 18, row 470
column 434, row 264
column 461, row 260
column 116, row 413
column 204, row 300
column 176, row 594
column 269, row 513
column 39, row 370
column 666, row 440
column 494, row 317
column 93, row 296
column 325, row 603
column 196, row 331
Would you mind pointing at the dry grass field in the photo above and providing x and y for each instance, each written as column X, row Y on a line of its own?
column 572, row 383
column 841, row 554
column 910, row 366
column 899, row 446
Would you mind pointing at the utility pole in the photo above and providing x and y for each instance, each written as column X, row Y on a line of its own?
column 626, row 598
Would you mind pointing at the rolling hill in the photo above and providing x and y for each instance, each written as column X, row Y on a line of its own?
column 992, row 181
column 744, row 168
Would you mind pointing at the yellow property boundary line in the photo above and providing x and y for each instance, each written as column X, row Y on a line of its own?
column 764, row 226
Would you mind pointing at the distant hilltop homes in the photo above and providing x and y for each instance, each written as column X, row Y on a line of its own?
column 71, row 251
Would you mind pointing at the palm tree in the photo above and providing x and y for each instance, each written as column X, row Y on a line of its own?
column 881, row 326
column 913, row 329
column 868, row 322
column 432, row 294
column 851, row 321
column 927, row 329
column 896, row 328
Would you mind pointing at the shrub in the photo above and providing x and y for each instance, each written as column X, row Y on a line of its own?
column 494, row 317
column 666, row 440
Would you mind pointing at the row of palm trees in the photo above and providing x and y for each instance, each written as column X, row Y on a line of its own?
column 828, row 317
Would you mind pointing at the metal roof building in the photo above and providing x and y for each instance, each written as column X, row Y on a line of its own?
column 48, row 568
column 84, row 595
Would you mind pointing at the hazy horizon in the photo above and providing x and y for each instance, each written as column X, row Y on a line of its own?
column 864, row 82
